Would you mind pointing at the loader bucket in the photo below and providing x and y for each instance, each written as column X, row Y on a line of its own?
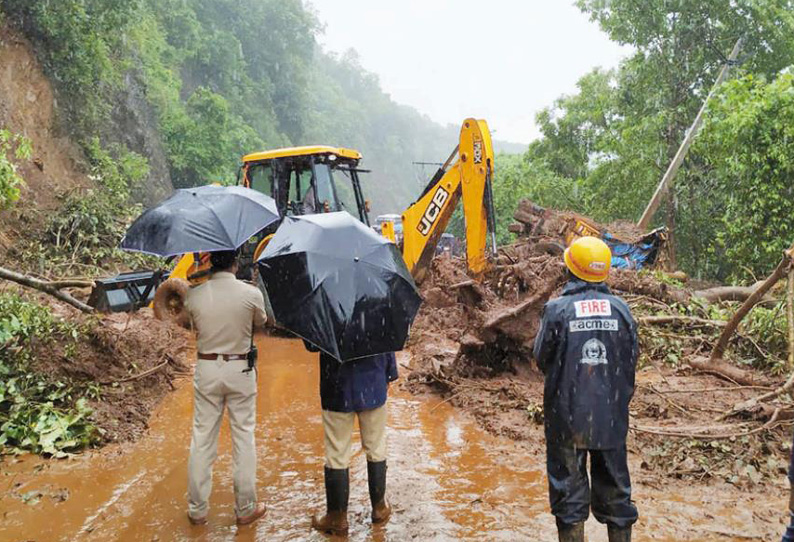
column 126, row 292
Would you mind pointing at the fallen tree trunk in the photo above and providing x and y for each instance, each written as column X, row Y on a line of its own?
column 727, row 293
column 52, row 288
column 673, row 294
column 727, row 371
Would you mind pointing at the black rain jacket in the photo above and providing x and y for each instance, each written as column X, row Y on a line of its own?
column 587, row 348
column 357, row 385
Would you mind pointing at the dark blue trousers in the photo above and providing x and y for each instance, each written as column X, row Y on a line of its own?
column 570, row 489
column 789, row 534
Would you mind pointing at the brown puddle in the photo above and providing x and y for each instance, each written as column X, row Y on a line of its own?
column 449, row 480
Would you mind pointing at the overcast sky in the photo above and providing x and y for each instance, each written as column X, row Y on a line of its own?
column 501, row 60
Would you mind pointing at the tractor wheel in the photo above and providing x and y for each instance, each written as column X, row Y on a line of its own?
column 169, row 302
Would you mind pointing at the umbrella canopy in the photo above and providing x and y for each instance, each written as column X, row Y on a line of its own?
column 336, row 283
column 201, row 219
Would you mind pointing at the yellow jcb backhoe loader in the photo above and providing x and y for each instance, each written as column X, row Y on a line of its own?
column 320, row 179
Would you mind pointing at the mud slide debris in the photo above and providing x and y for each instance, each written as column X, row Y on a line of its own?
column 472, row 342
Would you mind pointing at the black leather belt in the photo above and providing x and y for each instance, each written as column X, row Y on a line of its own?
column 225, row 357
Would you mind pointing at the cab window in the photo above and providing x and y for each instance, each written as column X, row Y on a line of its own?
column 301, row 193
column 325, row 188
column 260, row 176
column 346, row 193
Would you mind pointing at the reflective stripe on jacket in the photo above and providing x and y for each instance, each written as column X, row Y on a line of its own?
column 587, row 348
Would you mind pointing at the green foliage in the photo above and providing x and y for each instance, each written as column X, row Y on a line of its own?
column 82, row 47
column 19, row 147
column 199, row 155
column 85, row 231
column 748, row 146
column 38, row 413
column 765, row 338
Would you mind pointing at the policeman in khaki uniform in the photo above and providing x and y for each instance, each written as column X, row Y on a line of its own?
column 355, row 389
column 587, row 348
column 223, row 311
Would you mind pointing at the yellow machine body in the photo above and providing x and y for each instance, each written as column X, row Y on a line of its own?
column 387, row 230
column 580, row 228
column 291, row 152
column 195, row 270
column 468, row 178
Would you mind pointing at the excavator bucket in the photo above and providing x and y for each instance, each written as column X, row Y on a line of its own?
column 126, row 292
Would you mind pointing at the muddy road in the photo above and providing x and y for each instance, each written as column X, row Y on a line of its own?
column 449, row 480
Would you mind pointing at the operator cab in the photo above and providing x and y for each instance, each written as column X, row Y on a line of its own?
column 308, row 180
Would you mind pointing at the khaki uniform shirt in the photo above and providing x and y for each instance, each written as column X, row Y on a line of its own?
column 223, row 310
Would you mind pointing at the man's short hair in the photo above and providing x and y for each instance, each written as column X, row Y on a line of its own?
column 223, row 259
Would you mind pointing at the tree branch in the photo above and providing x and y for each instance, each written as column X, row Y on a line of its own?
column 51, row 288
column 780, row 271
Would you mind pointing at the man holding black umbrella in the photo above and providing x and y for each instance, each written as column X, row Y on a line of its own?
column 356, row 389
column 224, row 312
column 357, row 302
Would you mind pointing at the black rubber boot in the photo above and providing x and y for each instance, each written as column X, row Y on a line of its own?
column 376, row 474
column 337, row 494
column 618, row 534
column 571, row 533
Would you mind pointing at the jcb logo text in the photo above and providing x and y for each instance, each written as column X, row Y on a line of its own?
column 433, row 211
column 477, row 151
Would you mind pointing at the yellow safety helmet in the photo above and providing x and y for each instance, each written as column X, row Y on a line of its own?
column 589, row 258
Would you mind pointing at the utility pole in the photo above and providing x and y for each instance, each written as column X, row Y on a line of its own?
column 671, row 172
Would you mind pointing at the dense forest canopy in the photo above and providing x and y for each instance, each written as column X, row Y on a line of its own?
column 225, row 78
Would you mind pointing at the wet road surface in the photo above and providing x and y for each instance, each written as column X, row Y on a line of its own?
column 448, row 480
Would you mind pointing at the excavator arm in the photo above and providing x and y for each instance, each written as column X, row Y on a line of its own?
column 468, row 178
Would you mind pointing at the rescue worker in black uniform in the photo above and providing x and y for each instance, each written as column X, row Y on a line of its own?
column 587, row 348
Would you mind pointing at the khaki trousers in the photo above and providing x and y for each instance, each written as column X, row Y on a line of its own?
column 220, row 384
column 338, row 427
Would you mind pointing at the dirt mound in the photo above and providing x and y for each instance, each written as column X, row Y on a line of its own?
column 130, row 360
column 28, row 107
column 487, row 325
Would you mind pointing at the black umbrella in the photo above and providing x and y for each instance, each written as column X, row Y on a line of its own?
column 202, row 219
column 339, row 285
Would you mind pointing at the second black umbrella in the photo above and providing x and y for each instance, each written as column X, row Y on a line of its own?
column 336, row 283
